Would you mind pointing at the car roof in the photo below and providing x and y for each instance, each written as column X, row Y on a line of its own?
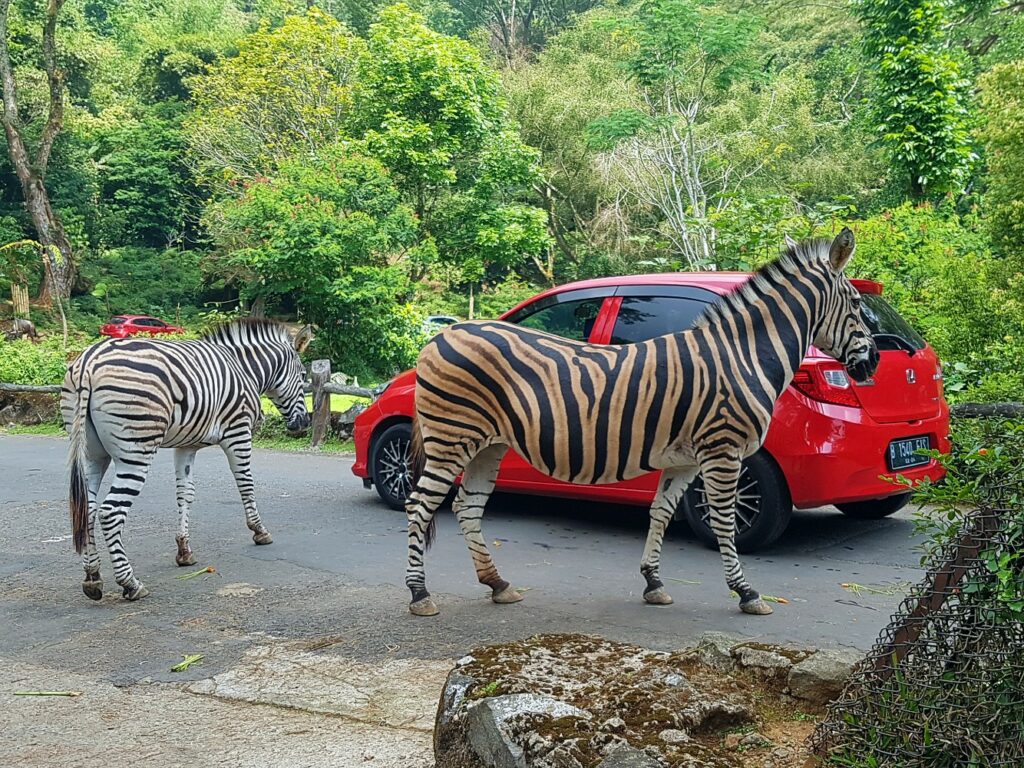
column 137, row 317
column 718, row 282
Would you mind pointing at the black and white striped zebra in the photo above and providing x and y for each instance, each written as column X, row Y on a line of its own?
column 123, row 400
column 693, row 402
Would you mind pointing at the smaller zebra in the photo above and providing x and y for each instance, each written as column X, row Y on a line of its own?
column 122, row 400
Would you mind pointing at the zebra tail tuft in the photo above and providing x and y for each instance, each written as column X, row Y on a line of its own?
column 78, row 493
column 419, row 460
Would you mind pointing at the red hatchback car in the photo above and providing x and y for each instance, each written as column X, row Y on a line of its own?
column 122, row 326
column 831, row 441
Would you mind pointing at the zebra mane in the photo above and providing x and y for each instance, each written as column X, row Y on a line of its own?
column 794, row 260
column 248, row 328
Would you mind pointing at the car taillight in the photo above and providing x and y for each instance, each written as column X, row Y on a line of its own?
column 826, row 384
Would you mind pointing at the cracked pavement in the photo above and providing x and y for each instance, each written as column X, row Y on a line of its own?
column 309, row 655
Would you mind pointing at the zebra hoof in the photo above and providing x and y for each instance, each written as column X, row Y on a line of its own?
column 185, row 558
column 756, row 607
column 137, row 593
column 424, row 607
column 263, row 537
column 93, row 589
column 506, row 596
column 658, row 597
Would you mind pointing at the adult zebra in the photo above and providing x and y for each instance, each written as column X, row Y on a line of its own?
column 696, row 401
column 125, row 399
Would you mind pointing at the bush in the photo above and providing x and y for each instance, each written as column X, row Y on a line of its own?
column 145, row 281
column 23, row 362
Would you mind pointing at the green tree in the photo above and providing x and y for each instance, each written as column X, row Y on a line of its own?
column 147, row 192
column 1002, row 101
column 429, row 108
column 685, row 57
column 333, row 234
column 920, row 95
column 287, row 92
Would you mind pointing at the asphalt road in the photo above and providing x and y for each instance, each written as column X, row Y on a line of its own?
column 336, row 569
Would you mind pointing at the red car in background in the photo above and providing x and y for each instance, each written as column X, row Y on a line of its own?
column 122, row 326
column 831, row 440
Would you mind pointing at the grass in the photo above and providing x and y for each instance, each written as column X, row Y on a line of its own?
column 272, row 436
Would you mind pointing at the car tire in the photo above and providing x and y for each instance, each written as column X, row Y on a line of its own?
column 875, row 509
column 764, row 506
column 390, row 451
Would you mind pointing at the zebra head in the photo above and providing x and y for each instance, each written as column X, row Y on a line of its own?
column 286, row 387
column 841, row 331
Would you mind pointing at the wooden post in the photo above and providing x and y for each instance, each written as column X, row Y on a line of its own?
column 19, row 298
column 320, row 372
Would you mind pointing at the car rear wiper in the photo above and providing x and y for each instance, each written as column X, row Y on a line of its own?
column 898, row 341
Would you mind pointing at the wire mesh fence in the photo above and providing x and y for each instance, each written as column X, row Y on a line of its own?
column 943, row 686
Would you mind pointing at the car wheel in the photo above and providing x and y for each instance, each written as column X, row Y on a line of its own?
column 875, row 509
column 763, row 506
column 391, row 461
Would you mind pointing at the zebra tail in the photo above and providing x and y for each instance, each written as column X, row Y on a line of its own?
column 419, row 460
column 78, row 493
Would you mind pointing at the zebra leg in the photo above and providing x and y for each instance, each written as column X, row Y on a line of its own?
column 239, row 453
column 185, row 494
column 721, row 478
column 674, row 483
column 129, row 478
column 477, row 484
column 430, row 492
column 92, row 585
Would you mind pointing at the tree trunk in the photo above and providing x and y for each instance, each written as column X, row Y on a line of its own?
column 60, row 265
column 61, row 273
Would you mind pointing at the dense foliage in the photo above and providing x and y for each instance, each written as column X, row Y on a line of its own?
column 360, row 165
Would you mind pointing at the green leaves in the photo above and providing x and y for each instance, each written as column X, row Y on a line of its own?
column 920, row 99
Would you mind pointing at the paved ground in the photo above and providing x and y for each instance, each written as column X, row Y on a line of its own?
column 313, row 630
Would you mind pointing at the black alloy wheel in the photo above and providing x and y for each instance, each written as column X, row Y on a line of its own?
column 391, row 462
column 763, row 506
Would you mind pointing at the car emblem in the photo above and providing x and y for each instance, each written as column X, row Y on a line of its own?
column 911, row 376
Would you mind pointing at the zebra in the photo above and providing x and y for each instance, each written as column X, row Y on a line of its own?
column 693, row 402
column 124, row 399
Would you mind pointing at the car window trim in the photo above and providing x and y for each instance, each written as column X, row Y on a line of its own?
column 669, row 292
column 553, row 299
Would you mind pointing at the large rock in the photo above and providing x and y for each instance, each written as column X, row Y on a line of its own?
column 571, row 700
column 342, row 424
column 820, row 677
column 491, row 723
column 574, row 701
column 27, row 408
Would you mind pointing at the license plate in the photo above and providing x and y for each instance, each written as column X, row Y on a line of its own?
column 903, row 453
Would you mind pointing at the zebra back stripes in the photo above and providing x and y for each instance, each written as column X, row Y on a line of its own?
column 694, row 402
column 122, row 400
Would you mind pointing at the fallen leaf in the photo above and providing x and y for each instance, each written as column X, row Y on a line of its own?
column 188, row 661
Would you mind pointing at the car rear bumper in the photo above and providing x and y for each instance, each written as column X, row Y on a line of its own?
column 841, row 455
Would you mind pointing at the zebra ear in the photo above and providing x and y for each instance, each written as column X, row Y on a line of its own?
column 791, row 244
column 303, row 338
column 841, row 250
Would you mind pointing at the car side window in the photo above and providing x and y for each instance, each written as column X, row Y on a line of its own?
column 646, row 317
column 570, row 319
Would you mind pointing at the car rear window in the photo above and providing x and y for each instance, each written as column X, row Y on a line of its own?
column 887, row 325
column 118, row 320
